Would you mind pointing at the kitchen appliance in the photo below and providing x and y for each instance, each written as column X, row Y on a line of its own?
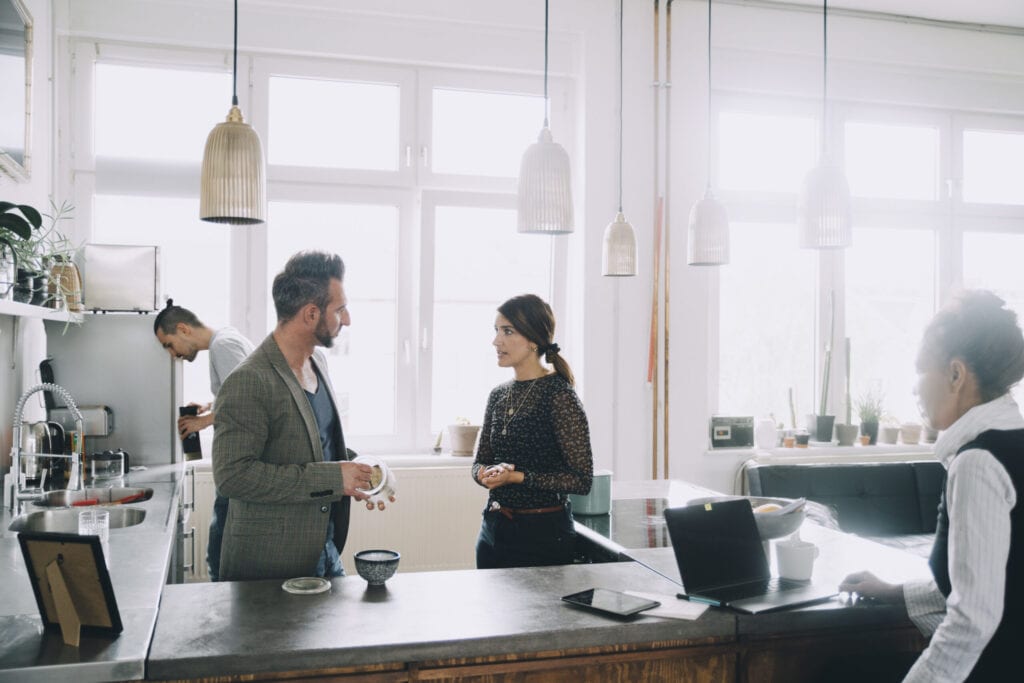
column 121, row 277
column 96, row 420
column 731, row 432
column 142, row 388
column 108, row 466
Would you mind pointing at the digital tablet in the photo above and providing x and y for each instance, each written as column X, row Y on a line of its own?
column 610, row 602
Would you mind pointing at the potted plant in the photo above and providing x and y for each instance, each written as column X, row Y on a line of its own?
column 822, row 423
column 17, row 221
column 869, row 409
column 48, row 256
column 846, row 432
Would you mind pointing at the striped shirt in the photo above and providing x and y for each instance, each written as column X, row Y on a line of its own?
column 979, row 496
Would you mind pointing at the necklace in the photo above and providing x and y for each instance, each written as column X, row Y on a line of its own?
column 512, row 412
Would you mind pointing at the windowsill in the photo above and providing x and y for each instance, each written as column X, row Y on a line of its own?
column 832, row 453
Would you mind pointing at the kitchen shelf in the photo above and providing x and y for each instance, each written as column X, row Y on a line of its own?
column 20, row 310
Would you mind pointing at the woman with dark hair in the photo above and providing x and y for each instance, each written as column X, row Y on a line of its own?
column 971, row 356
column 534, row 446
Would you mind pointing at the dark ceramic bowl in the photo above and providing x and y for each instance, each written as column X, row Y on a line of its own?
column 377, row 566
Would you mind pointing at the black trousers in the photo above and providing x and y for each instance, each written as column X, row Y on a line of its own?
column 533, row 540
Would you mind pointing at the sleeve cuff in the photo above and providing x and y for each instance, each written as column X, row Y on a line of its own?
column 926, row 606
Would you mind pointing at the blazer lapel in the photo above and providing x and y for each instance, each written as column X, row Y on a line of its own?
column 280, row 365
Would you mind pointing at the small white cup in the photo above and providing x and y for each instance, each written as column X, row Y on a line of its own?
column 96, row 522
column 795, row 559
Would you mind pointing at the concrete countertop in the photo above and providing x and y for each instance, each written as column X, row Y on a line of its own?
column 139, row 557
column 224, row 629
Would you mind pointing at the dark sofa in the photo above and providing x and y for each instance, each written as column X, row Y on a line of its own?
column 892, row 502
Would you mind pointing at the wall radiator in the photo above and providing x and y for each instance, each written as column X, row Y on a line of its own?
column 433, row 525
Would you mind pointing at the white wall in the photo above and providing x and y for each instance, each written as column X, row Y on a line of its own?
column 757, row 49
column 22, row 343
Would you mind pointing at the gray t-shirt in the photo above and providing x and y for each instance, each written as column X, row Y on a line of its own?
column 228, row 348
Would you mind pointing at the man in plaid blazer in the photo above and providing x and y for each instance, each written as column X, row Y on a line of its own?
column 278, row 449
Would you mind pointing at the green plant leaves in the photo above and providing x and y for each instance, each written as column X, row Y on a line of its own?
column 20, row 225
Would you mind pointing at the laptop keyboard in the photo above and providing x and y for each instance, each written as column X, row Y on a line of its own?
column 755, row 589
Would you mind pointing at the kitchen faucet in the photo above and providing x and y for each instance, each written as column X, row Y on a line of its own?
column 17, row 492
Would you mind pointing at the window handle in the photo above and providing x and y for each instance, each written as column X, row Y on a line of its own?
column 424, row 156
column 408, row 156
column 407, row 350
column 424, row 339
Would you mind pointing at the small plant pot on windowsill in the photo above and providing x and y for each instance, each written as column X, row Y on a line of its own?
column 23, row 286
column 846, row 434
column 888, row 434
column 869, row 428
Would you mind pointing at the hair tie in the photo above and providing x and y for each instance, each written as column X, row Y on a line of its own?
column 551, row 349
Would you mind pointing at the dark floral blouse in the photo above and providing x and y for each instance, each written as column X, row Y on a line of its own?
column 540, row 427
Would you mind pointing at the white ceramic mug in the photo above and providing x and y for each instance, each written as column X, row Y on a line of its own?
column 795, row 559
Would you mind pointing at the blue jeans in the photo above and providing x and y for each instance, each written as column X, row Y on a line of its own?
column 537, row 540
column 217, row 521
column 330, row 557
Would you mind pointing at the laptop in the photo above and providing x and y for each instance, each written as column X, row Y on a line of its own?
column 722, row 561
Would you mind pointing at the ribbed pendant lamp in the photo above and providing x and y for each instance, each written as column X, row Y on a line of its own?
column 823, row 207
column 707, row 242
column 233, row 189
column 545, row 182
column 618, row 254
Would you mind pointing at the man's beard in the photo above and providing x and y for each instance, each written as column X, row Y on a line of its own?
column 323, row 335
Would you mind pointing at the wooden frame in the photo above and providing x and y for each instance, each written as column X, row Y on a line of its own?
column 71, row 583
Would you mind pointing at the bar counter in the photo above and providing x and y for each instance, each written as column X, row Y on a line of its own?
column 474, row 624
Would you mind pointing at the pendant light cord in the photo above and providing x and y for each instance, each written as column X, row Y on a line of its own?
column 824, row 80
column 709, row 96
column 234, row 68
column 546, row 102
column 621, row 22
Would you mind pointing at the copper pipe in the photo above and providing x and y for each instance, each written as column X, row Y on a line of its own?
column 653, row 360
column 668, row 222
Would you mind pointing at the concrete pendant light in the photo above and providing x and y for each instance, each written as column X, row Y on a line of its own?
column 618, row 253
column 545, row 182
column 823, row 207
column 707, row 240
column 233, row 189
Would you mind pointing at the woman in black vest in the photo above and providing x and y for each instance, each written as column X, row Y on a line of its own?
column 971, row 356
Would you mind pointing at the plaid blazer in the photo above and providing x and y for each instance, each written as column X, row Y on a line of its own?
column 268, row 461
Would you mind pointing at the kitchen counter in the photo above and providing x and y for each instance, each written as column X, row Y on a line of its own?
column 139, row 557
column 479, row 623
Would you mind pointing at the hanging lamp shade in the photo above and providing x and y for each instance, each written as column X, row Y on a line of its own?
column 233, row 189
column 545, row 188
column 823, row 208
column 707, row 241
column 618, row 254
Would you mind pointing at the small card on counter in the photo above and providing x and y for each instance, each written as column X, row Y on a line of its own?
column 671, row 607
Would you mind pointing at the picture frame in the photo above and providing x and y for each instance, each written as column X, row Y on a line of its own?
column 71, row 584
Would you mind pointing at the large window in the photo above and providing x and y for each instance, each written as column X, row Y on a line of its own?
column 352, row 150
column 918, row 233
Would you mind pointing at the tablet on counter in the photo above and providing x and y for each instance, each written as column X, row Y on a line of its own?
column 610, row 601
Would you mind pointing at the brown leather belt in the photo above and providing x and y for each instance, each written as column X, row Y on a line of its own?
column 512, row 512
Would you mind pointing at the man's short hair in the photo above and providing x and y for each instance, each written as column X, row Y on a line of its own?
column 167, row 320
column 306, row 279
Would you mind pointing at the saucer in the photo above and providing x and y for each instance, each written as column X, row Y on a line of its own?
column 306, row 585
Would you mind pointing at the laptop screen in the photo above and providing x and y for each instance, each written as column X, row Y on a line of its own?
column 716, row 544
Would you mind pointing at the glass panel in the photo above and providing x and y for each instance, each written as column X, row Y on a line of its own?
column 12, row 89
column 362, row 362
column 993, row 167
column 992, row 261
column 483, row 133
column 139, row 112
column 193, row 258
column 763, row 153
column 890, row 279
column 766, row 324
column 480, row 261
column 334, row 124
column 897, row 162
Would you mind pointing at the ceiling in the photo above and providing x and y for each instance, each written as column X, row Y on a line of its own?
column 990, row 12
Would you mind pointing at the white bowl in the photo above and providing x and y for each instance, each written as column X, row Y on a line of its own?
column 769, row 525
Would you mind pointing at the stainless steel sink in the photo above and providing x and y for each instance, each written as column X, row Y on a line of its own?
column 65, row 520
column 63, row 499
